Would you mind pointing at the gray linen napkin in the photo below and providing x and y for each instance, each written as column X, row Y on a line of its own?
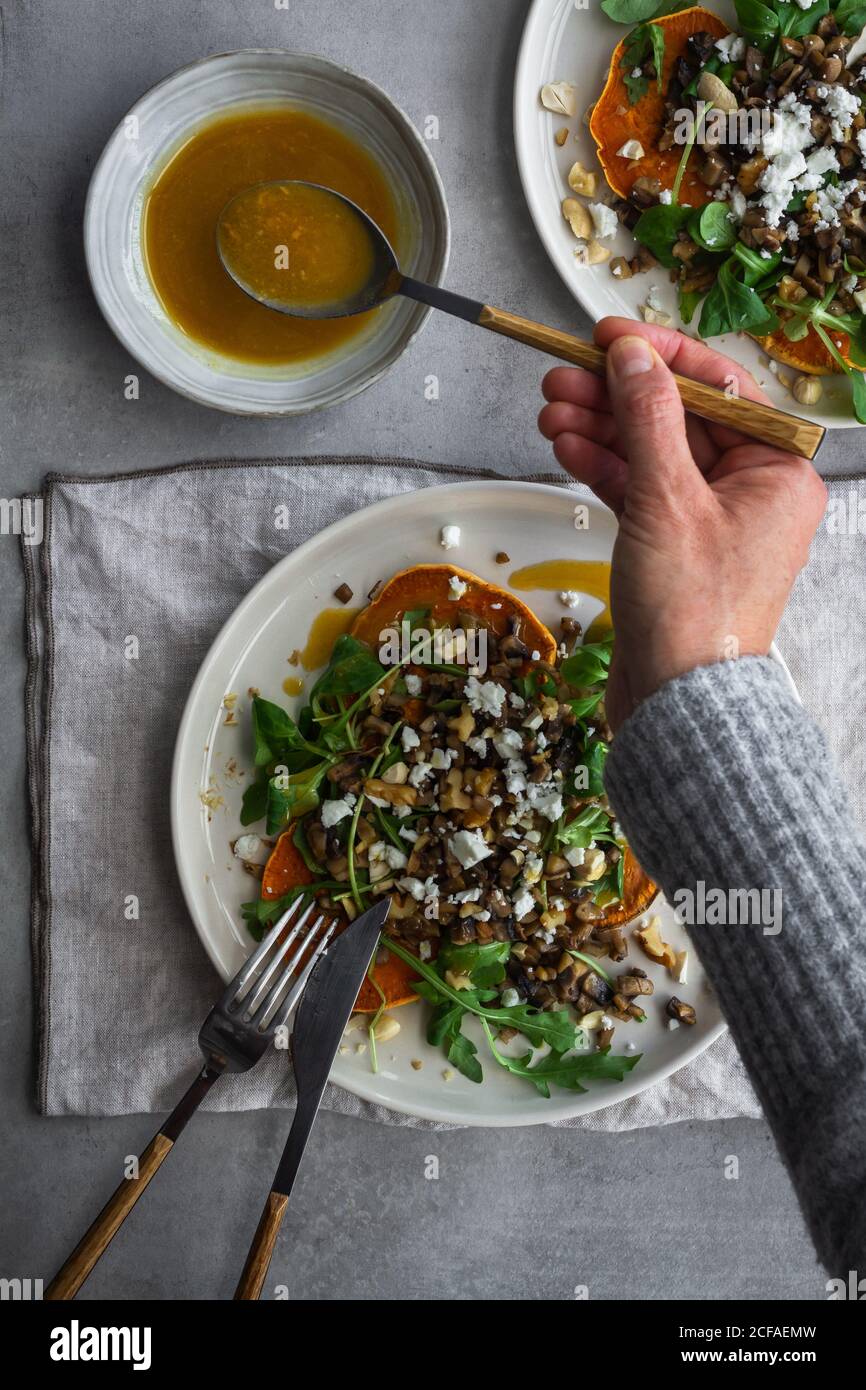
column 167, row 555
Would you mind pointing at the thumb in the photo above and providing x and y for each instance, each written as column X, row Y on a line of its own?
column 649, row 413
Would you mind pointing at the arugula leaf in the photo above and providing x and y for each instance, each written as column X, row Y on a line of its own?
column 594, row 760
column 444, row 1030
column 553, row 1027
column 254, row 805
column 570, row 1072
column 659, row 229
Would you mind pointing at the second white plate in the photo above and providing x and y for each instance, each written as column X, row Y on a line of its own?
column 562, row 42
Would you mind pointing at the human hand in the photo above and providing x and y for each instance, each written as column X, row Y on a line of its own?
column 713, row 528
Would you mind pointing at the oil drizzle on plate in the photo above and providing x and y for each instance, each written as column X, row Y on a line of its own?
column 327, row 626
column 586, row 576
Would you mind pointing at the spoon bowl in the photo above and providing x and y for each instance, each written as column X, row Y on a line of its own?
column 237, row 226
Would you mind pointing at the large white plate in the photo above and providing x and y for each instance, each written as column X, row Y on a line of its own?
column 532, row 523
column 562, row 42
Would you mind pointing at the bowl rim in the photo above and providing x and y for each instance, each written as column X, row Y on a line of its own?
column 117, row 322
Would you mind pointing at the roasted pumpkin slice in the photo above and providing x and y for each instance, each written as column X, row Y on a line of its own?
column 638, row 892
column 615, row 120
column 429, row 587
column 286, row 869
column 808, row 355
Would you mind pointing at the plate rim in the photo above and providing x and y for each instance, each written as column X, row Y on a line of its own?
column 364, row 1090
column 117, row 324
column 535, row 18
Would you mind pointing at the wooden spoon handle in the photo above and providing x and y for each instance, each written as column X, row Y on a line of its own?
column 72, row 1274
column 763, row 422
column 262, row 1247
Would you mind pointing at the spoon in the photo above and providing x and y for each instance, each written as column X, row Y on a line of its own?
column 380, row 279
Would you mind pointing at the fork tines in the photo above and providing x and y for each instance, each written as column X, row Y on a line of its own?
column 258, row 993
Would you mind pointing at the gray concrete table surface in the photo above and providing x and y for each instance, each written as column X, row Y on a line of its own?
column 528, row 1214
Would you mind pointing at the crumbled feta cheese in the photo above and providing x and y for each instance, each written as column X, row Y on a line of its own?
column 535, row 656
column 486, row 697
column 533, row 867
column 515, row 777
column 652, row 298
column 449, row 537
column 468, row 895
column 508, row 743
column 413, row 684
column 861, row 142
column 841, row 106
column 409, row 738
column 425, row 951
column 516, row 701
column 477, row 745
column 523, row 904
column 569, row 597
column 407, row 833
column 509, row 998
column 632, row 149
column 456, row 588
column 604, row 219
column 733, row 46
column 541, row 739
column 468, row 848
column 673, row 1023
column 792, row 231
column 442, row 758
column 252, row 849
column 334, row 811
column 546, row 800
column 419, row 773
column 665, row 197
column 574, row 855
column 419, row 890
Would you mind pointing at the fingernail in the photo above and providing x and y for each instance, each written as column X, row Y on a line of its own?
column 629, row 355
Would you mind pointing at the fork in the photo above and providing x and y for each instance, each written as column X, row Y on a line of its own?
column 235, row 1034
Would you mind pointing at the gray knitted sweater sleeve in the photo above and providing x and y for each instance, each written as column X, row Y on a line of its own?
column 722, row 777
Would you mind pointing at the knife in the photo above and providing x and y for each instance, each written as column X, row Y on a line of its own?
column 323, row 1013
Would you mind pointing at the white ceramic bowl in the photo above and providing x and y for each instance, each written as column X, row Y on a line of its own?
column 157, row 125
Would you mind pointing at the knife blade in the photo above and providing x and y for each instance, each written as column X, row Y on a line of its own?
column 323, row 1013
column 321, row 1019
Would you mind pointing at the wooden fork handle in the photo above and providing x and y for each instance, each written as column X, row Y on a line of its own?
column 262, row 1248
column 72, row 1274
column 763, row 422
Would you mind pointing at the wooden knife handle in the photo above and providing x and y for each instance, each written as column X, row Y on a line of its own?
column 73, row 1273
column 763, row 422
column 262, row 1248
